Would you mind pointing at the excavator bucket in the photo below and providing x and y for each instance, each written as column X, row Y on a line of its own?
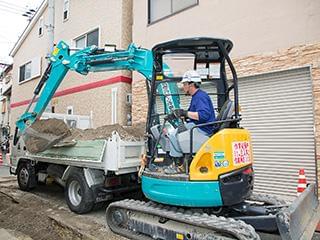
column 43, row 134
column 300, row 219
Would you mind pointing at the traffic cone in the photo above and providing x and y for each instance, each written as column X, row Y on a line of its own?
column 302, row 182
column 1, row 161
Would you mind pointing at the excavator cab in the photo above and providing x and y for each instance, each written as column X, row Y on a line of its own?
column 214, row 170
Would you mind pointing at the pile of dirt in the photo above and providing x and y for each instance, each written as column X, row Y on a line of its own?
column 51, row 126
column 135, row 132
column 43, row 134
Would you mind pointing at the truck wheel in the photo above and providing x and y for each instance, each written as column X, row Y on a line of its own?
column 78, row 195
column 26, row 175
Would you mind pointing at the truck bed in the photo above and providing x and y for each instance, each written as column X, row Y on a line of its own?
column 87, row 153
column 113, row 154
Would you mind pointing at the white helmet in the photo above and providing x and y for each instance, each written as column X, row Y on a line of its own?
column 191, row 76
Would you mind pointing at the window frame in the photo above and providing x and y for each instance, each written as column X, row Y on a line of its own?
column 70, row 108
column 35, row 69
column 85, row 35
column 40, row 26
column 66, row 8
column 25, row 78
column 149, row 22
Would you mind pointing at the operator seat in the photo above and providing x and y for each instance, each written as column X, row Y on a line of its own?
column 163, row 141
column 225, row 113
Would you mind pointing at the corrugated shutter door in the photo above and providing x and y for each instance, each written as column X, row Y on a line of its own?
column 277, row 108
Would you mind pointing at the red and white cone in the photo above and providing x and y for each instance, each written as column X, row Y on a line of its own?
column 1, row 161
column 302, row 182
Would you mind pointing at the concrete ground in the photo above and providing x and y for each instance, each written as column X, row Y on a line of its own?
column 4, row 171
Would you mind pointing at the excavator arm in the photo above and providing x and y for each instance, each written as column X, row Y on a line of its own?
column 90, row 59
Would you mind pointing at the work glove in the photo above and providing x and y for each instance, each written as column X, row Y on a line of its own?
column 171, row 117
column 180, row 113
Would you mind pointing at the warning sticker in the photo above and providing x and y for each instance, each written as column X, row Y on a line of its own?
column 219, row 160
column 241, row 152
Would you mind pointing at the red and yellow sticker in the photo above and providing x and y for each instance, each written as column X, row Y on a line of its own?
column 241, row 152
column 55, row 51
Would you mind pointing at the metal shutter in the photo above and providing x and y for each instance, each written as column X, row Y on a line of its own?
column 277, row 108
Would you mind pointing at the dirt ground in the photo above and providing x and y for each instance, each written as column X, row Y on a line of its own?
column 29, row 214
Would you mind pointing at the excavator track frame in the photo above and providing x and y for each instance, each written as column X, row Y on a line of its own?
column 124, row 218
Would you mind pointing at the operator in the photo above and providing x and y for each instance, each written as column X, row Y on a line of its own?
column 200, row 111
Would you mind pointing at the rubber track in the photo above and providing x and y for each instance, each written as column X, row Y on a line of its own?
column 227, row 226
column 268, row 199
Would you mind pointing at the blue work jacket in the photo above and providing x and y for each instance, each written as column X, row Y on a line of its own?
column 201, row 103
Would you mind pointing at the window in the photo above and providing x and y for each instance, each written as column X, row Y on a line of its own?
column 88, row 39
column 93, row 37
column 81, row 42
column 70, row 110
column 176, row 64
column 25, row 72
column 30, row 69
column 159, row 9
column 129, row 98
column 3, row 107
column 65, row 9
column 40, row 29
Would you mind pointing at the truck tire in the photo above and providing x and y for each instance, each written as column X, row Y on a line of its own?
column 26, row 176
column 79, row 196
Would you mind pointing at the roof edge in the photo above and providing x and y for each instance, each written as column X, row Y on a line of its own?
column 29, row 27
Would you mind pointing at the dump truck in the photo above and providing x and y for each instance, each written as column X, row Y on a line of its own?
column 90, row 170
column 212, row 196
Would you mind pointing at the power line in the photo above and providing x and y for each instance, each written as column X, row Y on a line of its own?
column 14, row 5
column 29, row 13
column 13, row 8
column 10, row 11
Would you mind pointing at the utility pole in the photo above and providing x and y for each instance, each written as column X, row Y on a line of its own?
column 50, row 26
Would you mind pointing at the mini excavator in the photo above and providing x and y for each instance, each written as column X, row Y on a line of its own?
column 212, row 198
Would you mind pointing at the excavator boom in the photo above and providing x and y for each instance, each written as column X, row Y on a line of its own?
column 41, row 136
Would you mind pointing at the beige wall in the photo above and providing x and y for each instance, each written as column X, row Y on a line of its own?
column 95, row 101
column 114, row 20
column 254, row 26
column 98, row 101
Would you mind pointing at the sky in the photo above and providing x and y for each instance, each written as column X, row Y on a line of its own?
column 12, row 24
